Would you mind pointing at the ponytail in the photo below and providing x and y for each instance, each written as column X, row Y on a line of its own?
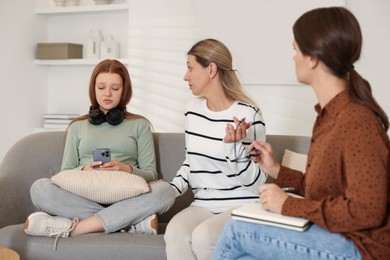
column 333, row 35
column 360, row 90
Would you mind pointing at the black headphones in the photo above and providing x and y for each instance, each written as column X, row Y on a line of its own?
column 114, row 117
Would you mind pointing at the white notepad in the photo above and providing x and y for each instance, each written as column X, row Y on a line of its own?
column 254, row 212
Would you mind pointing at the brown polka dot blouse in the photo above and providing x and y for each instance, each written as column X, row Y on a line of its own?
column 346, row 184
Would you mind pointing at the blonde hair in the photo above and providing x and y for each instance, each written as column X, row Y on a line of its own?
column 213, row 51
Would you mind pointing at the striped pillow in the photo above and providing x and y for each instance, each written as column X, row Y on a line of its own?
column 105, row 187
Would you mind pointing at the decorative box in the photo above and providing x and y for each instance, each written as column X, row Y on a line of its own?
column 59, row 51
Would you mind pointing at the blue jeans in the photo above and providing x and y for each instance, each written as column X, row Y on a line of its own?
column 244, row 240
column 50, row 198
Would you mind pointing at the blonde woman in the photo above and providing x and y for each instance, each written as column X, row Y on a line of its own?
column 219, row 124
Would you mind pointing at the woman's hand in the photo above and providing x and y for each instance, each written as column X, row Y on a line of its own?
column 272, row 197
column 110, row 166
column 238, row 133
column 262, row 153
column 92, row 166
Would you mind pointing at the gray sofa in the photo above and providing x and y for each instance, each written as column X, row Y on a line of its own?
column 39, row 155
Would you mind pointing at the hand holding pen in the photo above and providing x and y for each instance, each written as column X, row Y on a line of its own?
column 287, row 189
column 272, row 197
column 261, row 152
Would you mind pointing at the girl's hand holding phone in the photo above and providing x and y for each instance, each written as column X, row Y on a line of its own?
column 102, row 161
column 115, row 166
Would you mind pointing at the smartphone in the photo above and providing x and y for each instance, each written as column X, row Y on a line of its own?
column 102, row 154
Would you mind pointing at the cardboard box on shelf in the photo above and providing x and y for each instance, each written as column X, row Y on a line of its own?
column 59, row 51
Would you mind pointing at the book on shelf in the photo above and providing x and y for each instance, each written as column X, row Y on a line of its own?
column 59, row 116
column 254, row 212
column 55, row 126
column 54, row 121
column 58, row 121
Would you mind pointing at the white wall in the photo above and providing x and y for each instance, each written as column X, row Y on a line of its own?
column 23, row 85
column 158, row 42
column 374, row 65
column 68, row 85
column 287, row 108
column 259, row 36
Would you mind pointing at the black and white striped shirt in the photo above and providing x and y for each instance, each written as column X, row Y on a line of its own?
column 221, row 175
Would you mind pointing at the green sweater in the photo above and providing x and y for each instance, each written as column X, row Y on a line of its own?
column 131, row 143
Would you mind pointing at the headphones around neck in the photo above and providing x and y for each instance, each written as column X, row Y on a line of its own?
column 114, row 117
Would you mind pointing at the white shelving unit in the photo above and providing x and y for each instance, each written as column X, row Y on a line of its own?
column 73, row 62
column 68, row 79
column 80, row 10
column 83, row 9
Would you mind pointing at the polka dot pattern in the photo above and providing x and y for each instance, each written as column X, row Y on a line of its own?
column 346, row 184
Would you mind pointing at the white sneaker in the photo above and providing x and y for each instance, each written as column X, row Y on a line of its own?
column 148, row 226
column 42, row 224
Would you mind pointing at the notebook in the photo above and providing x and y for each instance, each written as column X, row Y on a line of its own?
column 254, row 212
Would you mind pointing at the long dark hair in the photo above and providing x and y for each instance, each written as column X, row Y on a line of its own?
column 333, row 35
column 111, row 66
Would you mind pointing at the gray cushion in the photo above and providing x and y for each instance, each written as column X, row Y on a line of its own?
column 90, row 246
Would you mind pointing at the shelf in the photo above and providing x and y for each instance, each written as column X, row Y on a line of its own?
column 83, row 9
column 73, row 22
column 41, row 129
column 73, row 62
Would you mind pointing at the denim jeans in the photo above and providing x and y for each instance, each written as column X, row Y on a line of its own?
column 50, row 198
column 244, row 240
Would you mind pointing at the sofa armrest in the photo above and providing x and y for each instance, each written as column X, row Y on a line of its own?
column 33, row 157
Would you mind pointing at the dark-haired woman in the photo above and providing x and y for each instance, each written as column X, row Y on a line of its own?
column 346, row 184
column 130, row 139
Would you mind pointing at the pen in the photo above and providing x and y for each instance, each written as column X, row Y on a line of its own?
column 288, row 189
column 254, row 152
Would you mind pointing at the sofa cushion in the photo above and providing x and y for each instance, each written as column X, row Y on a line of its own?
column 93, row 246
column 293, row 160
column 105, row 187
